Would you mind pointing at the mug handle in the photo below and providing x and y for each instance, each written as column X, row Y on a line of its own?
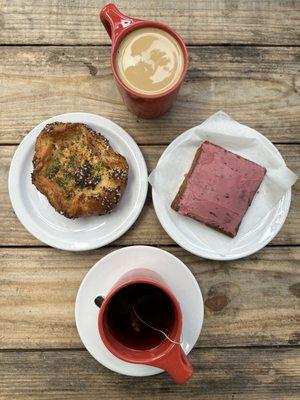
column 176, row 363
column 98, row 301
column 114, row 21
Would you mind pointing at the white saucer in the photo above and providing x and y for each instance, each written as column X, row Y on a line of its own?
column 105, row 273
column 42, row 221
column 188, row 233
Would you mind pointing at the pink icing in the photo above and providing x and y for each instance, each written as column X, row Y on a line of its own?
column 221, row 188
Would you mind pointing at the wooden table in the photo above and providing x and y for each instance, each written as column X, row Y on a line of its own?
column 244, row 59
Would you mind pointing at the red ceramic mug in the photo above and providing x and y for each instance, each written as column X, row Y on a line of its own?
column 118, row 26
column 164, row 354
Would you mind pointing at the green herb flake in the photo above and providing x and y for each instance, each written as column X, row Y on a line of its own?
column 67, row 176
column 53, row 169
column 72, row 162
column 61, row 182
column 98, row 167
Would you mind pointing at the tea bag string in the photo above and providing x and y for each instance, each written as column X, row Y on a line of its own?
column 155, row 329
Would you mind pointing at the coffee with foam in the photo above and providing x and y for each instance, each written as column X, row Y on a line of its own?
column 149, row 61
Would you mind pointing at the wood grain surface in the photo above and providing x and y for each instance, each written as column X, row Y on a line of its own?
column 274, row 22
column 253, row 301
column 256, row 85
column 244, row 59
column 147, row 229
column 219, row 374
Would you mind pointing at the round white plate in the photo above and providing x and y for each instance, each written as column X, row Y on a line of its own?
column 42, row 221
column 185, row 231
column 106, row 272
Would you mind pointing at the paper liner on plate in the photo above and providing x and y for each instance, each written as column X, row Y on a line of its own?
column 224, row 131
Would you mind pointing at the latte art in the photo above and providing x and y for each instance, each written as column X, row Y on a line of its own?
column 149, row 61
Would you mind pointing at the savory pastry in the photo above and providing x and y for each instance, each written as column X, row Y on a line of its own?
column 77, row 170
column 218, row 188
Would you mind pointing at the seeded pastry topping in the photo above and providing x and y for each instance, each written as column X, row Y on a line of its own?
column 77, row 170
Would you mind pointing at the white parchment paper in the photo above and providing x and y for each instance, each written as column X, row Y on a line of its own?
column 224, row 131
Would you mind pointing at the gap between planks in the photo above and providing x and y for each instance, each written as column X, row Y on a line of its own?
column 78, row 349
column 2, row 44
column 163, row 144
column 174, row 246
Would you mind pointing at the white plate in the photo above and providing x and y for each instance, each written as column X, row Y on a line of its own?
column 42, row 221
column 106, row 272
column 185, row 231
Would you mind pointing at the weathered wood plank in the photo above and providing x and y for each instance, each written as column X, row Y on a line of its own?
column 199, row 22
column 258, row 86
column 147, row 229
column 219, row 374
column 254, row 301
